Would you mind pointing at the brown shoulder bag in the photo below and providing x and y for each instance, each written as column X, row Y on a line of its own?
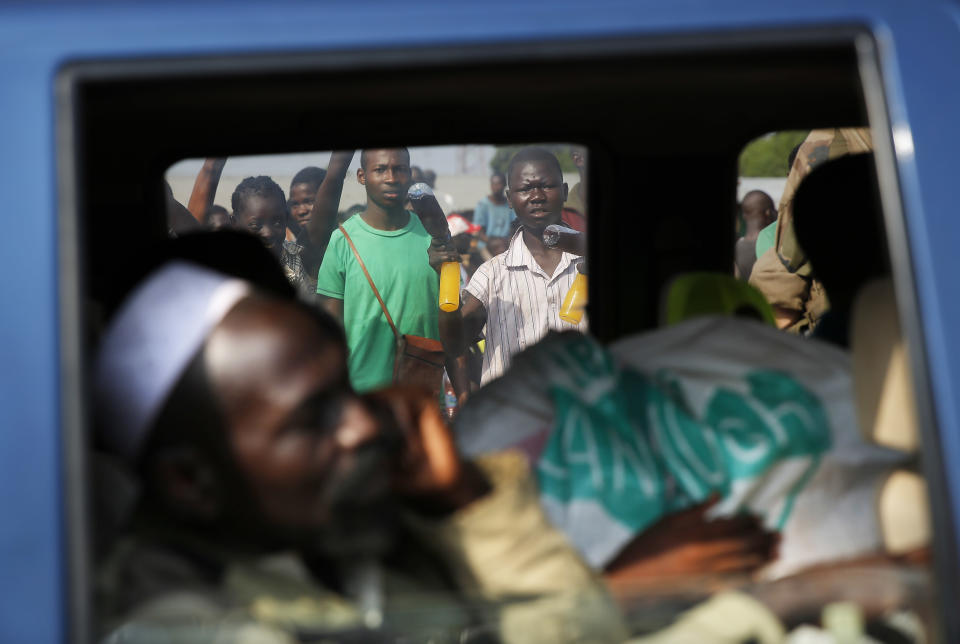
column 419, row 361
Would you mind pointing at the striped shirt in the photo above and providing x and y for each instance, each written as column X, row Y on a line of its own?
column 522, row 303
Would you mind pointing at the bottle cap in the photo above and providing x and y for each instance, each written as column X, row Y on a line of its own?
column 419, row 191
column 551, row 234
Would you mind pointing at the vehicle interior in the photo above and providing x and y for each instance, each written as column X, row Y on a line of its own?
column 664, row 119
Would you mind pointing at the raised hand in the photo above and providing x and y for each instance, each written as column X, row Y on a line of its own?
column 429, row 473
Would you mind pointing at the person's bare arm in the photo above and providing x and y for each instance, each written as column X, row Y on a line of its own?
column 459, row 377
column 457, row 328
column 205, row 187
column 323, row 216
column 878, row 587
column 685, row 543
column 484, row 522
column 333, row 306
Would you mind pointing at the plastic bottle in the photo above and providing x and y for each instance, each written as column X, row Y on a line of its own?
column 449, row 286
column 566, row 239
column 424, row 203
column 575, row 301
column 449, row 397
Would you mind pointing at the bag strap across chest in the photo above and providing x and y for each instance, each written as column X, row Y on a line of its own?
column 373, row 286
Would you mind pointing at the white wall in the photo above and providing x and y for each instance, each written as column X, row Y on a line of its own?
column 773, row 186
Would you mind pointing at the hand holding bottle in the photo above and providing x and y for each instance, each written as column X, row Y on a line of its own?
column 425, row 204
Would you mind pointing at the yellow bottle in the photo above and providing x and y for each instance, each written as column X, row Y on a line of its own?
column 575, row 301
column 450, row 286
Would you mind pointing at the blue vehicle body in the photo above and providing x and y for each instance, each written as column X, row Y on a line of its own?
column 919, row 47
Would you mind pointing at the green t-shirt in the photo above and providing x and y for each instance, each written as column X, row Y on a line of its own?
column 397, row 261
column 766, row 239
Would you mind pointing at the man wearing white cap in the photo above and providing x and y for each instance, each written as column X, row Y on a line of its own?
column 278, row 505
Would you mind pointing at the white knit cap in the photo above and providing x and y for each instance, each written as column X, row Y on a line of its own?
column 150, row 342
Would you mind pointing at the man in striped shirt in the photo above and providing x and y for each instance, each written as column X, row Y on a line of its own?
column 517, row 295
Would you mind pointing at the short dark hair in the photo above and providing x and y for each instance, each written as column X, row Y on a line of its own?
column 311, row 175
column 759, row 194
column 498, row 174
column 363, row 155
column 534, row 154
column 262, row 186
column 213, row 210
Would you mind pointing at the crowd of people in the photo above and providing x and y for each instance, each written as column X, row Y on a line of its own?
column 292, row 485
column 365, row 265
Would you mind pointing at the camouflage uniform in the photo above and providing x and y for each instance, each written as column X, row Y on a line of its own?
column 783, row 274
column 496, row 567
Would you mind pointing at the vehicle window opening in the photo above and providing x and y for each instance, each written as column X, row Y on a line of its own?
column 687, row 455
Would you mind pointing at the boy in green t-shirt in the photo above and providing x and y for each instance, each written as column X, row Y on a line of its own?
column 393, row 245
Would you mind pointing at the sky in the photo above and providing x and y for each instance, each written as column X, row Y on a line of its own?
column 443, row 160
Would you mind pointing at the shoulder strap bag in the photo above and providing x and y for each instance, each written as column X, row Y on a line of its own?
column 419, row 361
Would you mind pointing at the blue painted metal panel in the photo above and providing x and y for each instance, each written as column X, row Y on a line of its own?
column 30, row 542
column 920, row 54
column 921, row 51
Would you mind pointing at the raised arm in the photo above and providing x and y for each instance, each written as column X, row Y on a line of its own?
column 205, row 187
column 323, row 216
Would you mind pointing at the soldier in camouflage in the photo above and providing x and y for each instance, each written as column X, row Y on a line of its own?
column 783, row 274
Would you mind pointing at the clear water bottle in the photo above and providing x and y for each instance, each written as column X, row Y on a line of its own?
column 449, row 397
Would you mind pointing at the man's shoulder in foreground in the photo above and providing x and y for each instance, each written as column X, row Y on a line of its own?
column 277, row 595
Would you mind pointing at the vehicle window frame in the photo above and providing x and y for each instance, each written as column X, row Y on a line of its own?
column 72, row 78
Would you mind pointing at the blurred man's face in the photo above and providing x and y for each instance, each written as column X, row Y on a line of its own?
column 536, row 194
column 759, row 209
column 578, row 154
column 312, row 452
column 301, row 202
column 496, row 185
column 265, row 217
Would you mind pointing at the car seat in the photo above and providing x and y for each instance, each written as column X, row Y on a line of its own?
column 691, row 295
column 886, row 412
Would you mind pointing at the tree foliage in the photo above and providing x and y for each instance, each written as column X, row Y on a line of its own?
column 767, row 156
column 501, row 158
